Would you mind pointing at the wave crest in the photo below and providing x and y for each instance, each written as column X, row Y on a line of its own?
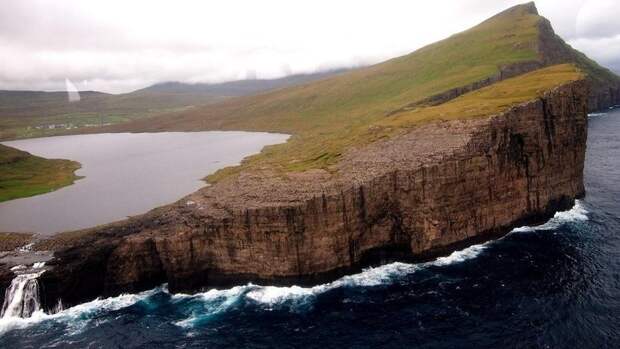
column 576, row 214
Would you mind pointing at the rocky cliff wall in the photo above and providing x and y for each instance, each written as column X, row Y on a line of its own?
column 604, row 97
column 439, row 187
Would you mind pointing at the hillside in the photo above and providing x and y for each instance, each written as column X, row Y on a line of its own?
column 331, row 115
column 36, row 113
column 23, row 174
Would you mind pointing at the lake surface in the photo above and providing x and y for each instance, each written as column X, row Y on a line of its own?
column 550, row 286
column 125, row 174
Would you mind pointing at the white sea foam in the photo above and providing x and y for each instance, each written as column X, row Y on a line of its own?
column 462, row 255
column 296, row 297
column 576, row 214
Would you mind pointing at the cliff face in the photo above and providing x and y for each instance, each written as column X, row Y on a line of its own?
column 437, row 188
column 604, row 97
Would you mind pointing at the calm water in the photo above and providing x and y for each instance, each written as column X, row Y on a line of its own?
column 125, row 174
column 552, row 286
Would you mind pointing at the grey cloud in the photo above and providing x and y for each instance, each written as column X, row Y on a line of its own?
column 598, row 19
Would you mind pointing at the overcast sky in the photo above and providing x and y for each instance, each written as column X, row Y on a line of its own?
column 119, row 46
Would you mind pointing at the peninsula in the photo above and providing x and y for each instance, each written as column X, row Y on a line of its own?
column 456, row 143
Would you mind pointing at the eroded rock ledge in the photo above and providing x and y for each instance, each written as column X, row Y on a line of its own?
column 434, row 189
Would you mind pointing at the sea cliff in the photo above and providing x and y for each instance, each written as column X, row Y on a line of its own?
column 435, row 188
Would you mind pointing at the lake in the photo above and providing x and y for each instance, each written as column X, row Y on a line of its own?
column 125, row 174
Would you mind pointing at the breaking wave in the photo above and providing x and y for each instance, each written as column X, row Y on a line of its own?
column 594, row 115
column 576, row 214
column 201, row 307
column 296, row 298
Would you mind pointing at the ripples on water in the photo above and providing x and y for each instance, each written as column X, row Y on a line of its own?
column 555, row 285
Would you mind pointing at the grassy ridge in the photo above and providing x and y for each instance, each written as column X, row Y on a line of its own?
column 23, row 174
column 489, row 100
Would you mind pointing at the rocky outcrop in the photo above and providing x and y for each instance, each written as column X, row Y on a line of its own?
column 436, row 188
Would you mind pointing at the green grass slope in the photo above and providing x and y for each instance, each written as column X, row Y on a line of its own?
column 23, row 174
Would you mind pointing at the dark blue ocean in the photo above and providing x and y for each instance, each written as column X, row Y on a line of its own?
column 551, row 286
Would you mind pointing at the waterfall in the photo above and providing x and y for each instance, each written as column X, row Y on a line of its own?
column 21, row 299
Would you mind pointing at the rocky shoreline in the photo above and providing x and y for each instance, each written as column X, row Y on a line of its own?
column 430, row 191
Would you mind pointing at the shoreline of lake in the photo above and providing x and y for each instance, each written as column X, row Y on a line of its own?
column 121, row 171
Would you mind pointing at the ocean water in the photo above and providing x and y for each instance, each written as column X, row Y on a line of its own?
column 552, row 286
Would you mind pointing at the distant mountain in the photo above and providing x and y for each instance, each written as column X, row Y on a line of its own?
column 37, row 113
column 240, row 87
